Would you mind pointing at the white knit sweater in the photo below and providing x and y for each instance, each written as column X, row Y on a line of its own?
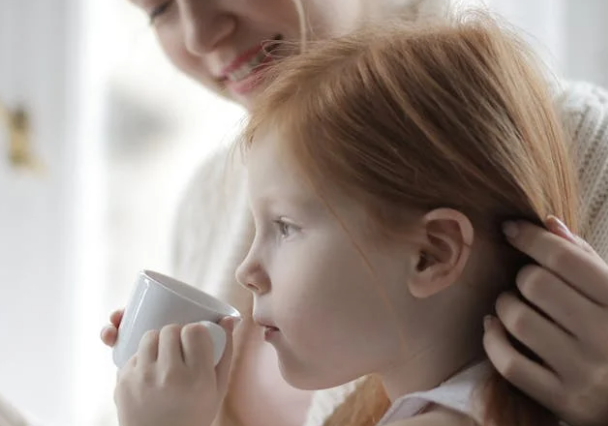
column 214, row 228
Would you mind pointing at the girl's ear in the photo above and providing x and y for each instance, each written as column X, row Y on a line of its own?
column 448, row 237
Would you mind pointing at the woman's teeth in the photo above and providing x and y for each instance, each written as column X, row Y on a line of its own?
column 247, row 68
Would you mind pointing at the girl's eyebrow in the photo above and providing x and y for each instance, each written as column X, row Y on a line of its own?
column 270, row 199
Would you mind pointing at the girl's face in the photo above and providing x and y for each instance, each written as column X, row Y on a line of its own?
column 220, row 42
column 328, row 316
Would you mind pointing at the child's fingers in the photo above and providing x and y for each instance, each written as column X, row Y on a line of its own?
column 116, row 317
column 197, row 347
column 223, row 368
column 147, row 353
column 170, row 347
column 109, row 334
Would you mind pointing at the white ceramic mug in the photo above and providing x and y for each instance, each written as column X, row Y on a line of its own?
column 159, row 300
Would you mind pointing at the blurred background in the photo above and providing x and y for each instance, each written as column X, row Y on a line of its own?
column 104, row 135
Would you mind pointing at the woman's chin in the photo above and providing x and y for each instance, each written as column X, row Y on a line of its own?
column 246, row 99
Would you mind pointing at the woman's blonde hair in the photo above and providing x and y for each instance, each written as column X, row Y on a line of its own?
column 454, row 114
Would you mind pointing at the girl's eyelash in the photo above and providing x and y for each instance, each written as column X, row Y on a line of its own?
column 283, row 226
column 159, row 10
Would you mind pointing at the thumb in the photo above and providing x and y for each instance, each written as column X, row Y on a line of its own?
column 223, row 368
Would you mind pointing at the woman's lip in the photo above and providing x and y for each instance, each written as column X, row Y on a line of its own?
column 247, row 56
column 253, row 80
column 243, row 58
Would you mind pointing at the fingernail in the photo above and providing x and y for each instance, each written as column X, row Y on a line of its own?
column 558, row 225
column 510, row 229
column 231, row 322
column 487, row 322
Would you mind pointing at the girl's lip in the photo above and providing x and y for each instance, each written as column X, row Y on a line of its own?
column 263, row 322
column 269, row 332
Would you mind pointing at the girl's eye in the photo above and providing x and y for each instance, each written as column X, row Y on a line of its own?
column 285, row 229
column 158, row 11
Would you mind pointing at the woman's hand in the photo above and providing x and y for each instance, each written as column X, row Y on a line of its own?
column 571, row 288
column 172, row 380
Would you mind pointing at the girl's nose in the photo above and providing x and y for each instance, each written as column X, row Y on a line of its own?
column 251, row 275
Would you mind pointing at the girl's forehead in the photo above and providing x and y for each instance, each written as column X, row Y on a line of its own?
column 270, row 171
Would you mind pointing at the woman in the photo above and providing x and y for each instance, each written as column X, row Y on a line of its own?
column 220, row 43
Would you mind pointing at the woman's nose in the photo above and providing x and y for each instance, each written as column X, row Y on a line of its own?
column 205, row 25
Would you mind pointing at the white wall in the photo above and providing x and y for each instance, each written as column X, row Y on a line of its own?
column 56, row 286
column 571, row 34
column 37, row 232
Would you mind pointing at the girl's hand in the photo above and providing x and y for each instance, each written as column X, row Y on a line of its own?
column 171, row 380
column 110, row 332
column 571, row 288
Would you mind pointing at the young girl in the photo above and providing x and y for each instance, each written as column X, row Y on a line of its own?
column 380, row 167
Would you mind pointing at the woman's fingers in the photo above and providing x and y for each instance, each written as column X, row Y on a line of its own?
column 557, row 227
column 569, row 286
column 548, row 341
column 569, row 309
column 578, row 397
column 577, row 267
column 537, row 381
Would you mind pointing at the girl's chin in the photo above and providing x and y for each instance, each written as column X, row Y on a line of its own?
column 307, row 379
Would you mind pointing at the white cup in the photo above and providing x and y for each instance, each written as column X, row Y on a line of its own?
column 157, row 301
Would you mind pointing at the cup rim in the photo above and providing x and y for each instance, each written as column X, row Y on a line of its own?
column 227, row 309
